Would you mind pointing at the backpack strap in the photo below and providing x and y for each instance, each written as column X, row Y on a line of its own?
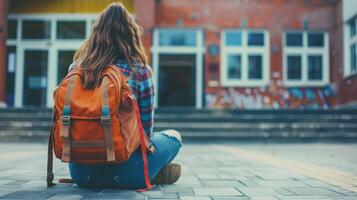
column 106, row 120
column 66, row 120
column 50, row 175
column 144, row 146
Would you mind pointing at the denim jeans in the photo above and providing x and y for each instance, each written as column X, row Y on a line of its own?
column 130, row 174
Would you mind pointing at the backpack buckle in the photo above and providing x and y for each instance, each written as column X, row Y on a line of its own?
column 106, row 120
column 66, row 120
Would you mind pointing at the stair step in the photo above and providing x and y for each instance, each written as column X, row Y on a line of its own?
column 43, row 135
column 224, row 125
column 34, row 123
column 207, row 118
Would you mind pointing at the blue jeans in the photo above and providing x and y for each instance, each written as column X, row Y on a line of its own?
column 130, row 174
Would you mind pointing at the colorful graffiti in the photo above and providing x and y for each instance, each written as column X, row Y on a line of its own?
column 271, row 97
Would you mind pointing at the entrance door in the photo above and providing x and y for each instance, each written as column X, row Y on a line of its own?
column 35, row 77
column 177, row 80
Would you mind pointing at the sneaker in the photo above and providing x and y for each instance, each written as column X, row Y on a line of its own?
column 168, row 174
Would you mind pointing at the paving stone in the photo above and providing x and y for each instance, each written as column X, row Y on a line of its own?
column 158, row 193
column 264, row 198
column 341, row 190
column 190, row 181
column 258, row 191
column 15, row 183
column 228, row 191
column 222, row 183
column 250, row 183
column 65, row 197
column 310, row 191
column 26, row 195
column 70, row 190
column 4, row 182
column 111, row 197
column 315, row 183
column 118, row 192
column 163, row 198
column 283, row 191
column 214, row 176
column 230, row 198
column 189, row 194
column 122, row 193
column 304, row 198
column 177, row 189
column 195, row 198
column 6, row 191
column 280, row 183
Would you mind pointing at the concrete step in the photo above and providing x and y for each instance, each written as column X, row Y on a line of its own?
column 204, row 125
column 208, row 111
column 35, row 123
column 42, row 136
column 201, row 117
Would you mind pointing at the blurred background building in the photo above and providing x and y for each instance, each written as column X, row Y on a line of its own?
column 247, row 54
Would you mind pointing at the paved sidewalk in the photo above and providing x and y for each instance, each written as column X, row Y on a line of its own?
column 224, row 171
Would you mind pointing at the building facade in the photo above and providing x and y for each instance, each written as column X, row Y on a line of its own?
column 234, row 54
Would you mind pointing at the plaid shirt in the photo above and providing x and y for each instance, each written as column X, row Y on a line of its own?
column 142, row 85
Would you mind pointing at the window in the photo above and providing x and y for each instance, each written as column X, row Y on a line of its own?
column 32, row 29
column 315, row 39
column 245, row 58
column 353, row 57
column 294, row 39
column 46, row 43
column 315, row 67
column 71, row 29
column 234, row 67
column 255, row 65
column 12, row 29
column 255, row 39
column 352, row 27
column 177, row 38
column 234, row 39
column 306, row 58
column 294, row 67
column 350, row 67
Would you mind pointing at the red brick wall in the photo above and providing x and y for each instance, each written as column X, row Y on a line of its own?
column 346, row 86
column 273, row 15
column 3, row 27
column 145, row 16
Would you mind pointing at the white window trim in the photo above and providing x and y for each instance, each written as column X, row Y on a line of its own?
column 244, row 51
column 198, row 50
column 52, row 45
column 304, row 52
column 348, row 42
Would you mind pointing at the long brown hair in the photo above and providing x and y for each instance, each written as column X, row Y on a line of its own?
column 115, row 34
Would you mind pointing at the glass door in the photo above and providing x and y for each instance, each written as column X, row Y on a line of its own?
column 35, row 77
column 177, row 80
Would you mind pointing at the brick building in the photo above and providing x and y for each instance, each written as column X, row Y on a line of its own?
column 248, row 54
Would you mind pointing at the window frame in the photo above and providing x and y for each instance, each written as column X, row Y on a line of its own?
column 86, row 29
column 305, row 51
column 35, row 19
column 173, row 30
column 244, row 51
column 52, row 44
column 348, row 42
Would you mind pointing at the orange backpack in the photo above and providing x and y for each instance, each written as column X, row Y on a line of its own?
column 96, row 126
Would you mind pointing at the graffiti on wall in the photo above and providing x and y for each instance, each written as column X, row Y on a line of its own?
column 271, row 97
